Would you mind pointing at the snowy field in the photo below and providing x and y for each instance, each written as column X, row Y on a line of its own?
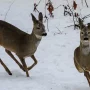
column 55, row 69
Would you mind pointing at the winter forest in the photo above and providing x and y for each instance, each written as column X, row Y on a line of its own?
column 45, row 44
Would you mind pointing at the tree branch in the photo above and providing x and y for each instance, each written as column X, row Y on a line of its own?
column 8, row 9
column 86, row 3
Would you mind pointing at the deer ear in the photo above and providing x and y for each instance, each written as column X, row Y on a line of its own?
column 81, row 23
column 33, row 18
column 40, row 17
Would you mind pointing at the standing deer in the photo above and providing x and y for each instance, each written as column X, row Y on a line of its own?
column 82, row 53
column 22, row 44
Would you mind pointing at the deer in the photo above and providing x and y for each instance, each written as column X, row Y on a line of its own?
column 21, row 43
column 5, row 67
column 82, row 52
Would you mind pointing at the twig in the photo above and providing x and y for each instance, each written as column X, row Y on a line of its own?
column 69, row 6
column 8, row 9
column 69, row 26
column 46, row 17
column 37, row 10
column 82, row 2
column 58, row 6
column 45, row 8
column 38, row 2
column 86, row 16
column 86, row 3
column 47, row 22
column 59, row 30
column 76, row 25
column 35, row 7
column 72, row 14
column 47, row 26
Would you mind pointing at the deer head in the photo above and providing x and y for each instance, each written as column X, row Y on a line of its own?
column 38, row 26
column 84, row 33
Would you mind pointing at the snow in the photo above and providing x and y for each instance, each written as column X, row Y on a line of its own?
column 55, row 69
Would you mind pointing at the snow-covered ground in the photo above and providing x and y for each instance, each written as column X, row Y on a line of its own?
column 55, row 69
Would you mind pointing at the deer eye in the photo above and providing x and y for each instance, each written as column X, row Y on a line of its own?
column 38, row 27
column 82, row 33
column 88, row 32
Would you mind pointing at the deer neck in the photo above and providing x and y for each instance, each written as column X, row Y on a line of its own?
column 36, row 39
column 35, row 36
column 38, row 36
column 85, row 49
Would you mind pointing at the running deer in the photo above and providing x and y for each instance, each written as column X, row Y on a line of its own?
column 82, row 53
column 21, row 43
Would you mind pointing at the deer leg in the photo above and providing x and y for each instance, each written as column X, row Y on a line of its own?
column 11, row 55
column 35, row 62
column 86, row 74
column 24, row 65
column 5, row 67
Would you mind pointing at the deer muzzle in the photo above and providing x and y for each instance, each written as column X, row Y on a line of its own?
column 86, row 39
column 44, row 34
